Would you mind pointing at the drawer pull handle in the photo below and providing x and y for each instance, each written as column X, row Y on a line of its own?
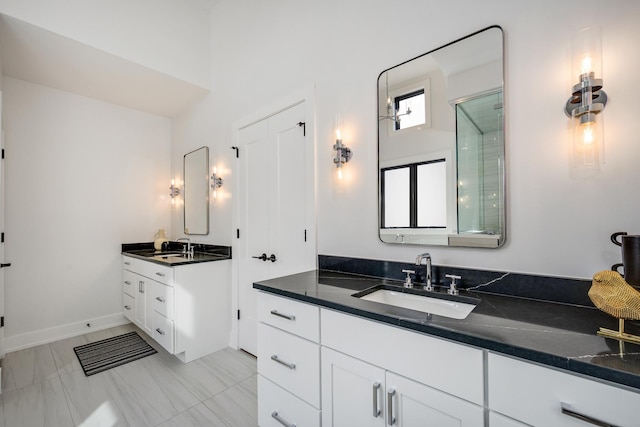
column 160, row 331
column 568, row 410
column 160, row 299
column 376, row 391
column 391, row 420
column 284, row 316
column 127, row 263
column 282, row 362
column 128, row 307
column 281, row 420
column 126, row 282
column 159, row 274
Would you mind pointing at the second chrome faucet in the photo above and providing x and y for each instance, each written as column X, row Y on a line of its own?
column 428, row 286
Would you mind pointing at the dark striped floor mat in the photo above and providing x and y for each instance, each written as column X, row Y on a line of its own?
column 102, row 355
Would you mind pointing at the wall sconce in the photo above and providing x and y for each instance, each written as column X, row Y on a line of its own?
column 587, row 101
column 216, row 182
column 343, row 153
column 174, row 192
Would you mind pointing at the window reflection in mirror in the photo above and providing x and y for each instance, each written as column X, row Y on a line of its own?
column 443, row 110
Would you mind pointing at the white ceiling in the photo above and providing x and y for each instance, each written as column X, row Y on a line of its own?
column 39, row 56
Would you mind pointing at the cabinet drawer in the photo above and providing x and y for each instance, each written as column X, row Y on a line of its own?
column 274, row 402
column 128, row 306
column 534, row 394
column 129, row 282
column 163, row 300
column 128, row 263
column 291, row 362
column 453, row 368
column 289, row 315
column 163, row 331
column 159, row 273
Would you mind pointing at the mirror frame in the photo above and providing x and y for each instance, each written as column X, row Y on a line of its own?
column 453, row 239
column 205, row 179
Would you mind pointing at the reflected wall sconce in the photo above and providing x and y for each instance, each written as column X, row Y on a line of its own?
column 174, row 192
column 587, row 102
column 343, row 153
column 392, row 113
column 216, row 182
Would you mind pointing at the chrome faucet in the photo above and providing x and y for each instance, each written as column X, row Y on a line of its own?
column 427, row 279
column 189, row 247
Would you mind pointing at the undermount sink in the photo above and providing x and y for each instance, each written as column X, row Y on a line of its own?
column 452, row 306
column 178, row 254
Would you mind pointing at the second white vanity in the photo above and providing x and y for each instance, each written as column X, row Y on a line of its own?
column 185, row 308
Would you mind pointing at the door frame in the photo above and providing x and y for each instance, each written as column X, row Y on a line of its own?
column 308, row 97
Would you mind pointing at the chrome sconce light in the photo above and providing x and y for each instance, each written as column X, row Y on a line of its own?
column 216, row 182
column 343, row 153
column 174, row 191
column 587, row 102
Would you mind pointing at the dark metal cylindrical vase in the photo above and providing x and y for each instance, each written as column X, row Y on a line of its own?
column 630, row 257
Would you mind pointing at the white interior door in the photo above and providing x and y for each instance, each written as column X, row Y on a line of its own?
column 2, row 351
column 275, row 210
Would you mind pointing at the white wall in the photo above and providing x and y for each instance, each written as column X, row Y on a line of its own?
column 170, row 36
column 556, row 225
column 82, row 177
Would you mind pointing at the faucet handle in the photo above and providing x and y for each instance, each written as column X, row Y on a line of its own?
column 453, row 286
column 407, row 280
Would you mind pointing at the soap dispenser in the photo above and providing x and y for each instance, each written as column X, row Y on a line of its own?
column 159, row 239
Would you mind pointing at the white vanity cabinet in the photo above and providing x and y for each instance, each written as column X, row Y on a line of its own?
column 366, row 371
column 288, row 362
column 536, row 395
column 184, row 308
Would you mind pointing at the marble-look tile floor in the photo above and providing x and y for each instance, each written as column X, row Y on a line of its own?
column 45, row 386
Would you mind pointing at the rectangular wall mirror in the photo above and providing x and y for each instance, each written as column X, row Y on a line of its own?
column 196, row 191
column 441, row 146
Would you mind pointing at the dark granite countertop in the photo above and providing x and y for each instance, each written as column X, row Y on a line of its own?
column 554, row 334
column 173, row 257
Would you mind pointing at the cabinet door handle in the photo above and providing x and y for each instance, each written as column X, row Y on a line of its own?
column 282, row 362
column 568, row 410
column 376, row 391
column 141, row 287
column 159, row 274
column 160, row 299
column 160, row 331
column 127, row 307
column 284, row 316
column 281, row 420
column 391, row 420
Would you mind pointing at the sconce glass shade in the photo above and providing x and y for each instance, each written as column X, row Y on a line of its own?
column 587, row 147
column 586, row 52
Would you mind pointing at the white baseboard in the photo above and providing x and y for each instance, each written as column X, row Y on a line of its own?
column 44, row 336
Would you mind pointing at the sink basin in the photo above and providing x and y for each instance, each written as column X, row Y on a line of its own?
column 170, row 255
column 452, row 306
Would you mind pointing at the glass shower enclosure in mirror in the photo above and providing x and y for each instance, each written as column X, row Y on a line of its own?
column 196, row 191
column 441, row 146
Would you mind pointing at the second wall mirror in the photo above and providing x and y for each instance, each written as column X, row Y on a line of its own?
column 441, row 146
column 196, row 191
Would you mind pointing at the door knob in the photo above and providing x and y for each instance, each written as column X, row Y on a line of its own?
column 272, row 258
column 262, row 257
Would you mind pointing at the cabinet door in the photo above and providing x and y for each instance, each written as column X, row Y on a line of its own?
column 412, row 404
column 352, row 391
column 144, row 312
